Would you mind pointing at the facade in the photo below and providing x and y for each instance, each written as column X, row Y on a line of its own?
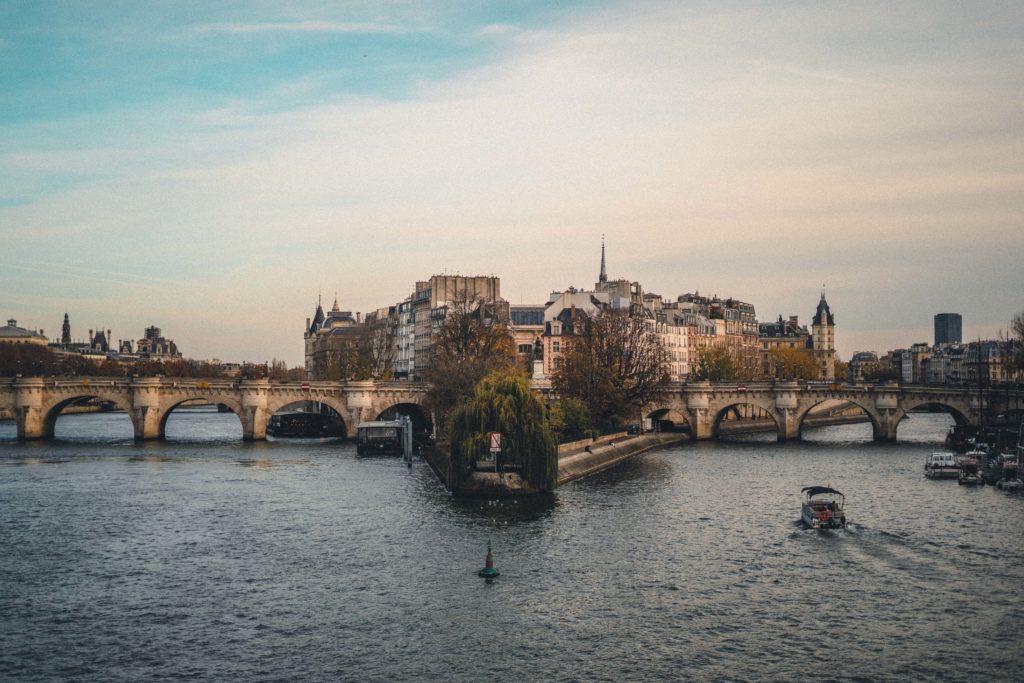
column 945, row 365
column 527, row 324
column 860, row 364
column 421, row 315
column 820, row 341
column 948, row 328
column 12, row 334
column 781, row 334
column 325, row 337
column 155, row 345
column 560, row 317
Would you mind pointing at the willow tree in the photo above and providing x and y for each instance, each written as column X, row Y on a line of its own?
column 502, row 402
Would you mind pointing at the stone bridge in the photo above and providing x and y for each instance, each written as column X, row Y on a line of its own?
column 36, row 402
column 703, row 406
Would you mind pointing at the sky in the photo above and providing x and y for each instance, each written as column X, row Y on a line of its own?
column 212, row 168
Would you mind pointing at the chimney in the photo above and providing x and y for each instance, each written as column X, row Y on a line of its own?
column 793, row 320
column 359, row 317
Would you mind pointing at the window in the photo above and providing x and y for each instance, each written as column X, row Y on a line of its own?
column 556, row 347
column 526, row 348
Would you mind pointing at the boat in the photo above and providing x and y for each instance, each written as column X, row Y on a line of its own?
column 970, row 472
column 941, row 466
column 822, row 508
column 1010, row 479
column 960, row 437
column 301, row 425
column 382, row 436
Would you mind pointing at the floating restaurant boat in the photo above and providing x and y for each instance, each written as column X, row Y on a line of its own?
column 822, row 508
column 303, row 426
column 941, row 466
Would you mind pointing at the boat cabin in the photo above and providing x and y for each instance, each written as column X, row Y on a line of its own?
column 941, row 460
column 380, row 437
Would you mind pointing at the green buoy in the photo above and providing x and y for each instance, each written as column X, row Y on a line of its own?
column 488, row 571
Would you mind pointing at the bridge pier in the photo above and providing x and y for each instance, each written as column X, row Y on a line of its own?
column 254, row 409
column 147, row 418
column 28, row 408
column 787, row 416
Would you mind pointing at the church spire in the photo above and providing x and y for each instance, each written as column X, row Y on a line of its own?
column 603, row 277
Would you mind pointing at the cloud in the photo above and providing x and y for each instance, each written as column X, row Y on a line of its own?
column 720, row 151
column 305, row 27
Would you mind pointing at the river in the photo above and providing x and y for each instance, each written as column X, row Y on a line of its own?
column 203, row 558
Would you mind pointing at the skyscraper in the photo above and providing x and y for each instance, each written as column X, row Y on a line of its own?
column 948, row 328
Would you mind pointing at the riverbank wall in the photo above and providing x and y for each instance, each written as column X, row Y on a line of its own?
column 583, row 458
column 600, row 454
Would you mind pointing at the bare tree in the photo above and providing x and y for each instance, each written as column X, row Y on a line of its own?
column 377, row 346
column 612, row 362
column 473, row 340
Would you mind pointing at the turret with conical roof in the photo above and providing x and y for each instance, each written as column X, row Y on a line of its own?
column 823, row 316
column 823, row 336
column 318, row 317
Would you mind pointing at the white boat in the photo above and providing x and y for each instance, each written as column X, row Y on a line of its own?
column 941, row 466
column 822, row 508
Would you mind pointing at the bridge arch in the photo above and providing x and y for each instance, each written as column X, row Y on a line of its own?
column 765, row 406
column 340, row 408
column 418, row 414
column 52, row 408
column 276, row 407
column 229, row 401
column 959, row 412
column 865, row 406
column 670, row 419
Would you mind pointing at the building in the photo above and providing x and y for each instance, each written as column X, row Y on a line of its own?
column 948, row 329
column 421, row 315
column 326, row 338
column 823, row 340
column 778, row 335
column 819, row 341
column 862, row 363
column 945, row 365
column 12, row 334
column 155, row 345
column 561, row 314
column 527, row 324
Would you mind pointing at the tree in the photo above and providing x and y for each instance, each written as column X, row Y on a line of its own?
column 882, row 371
column 1017, row 337
column 793, row 364
column 570, row 420
column 612, row 362
column 345, row 357
column 377, row 346
column 717, row 364
column 472, row 341
column 842, row 370
column 503, row 402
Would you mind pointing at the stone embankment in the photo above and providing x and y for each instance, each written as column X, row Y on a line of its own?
column 582, row 458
